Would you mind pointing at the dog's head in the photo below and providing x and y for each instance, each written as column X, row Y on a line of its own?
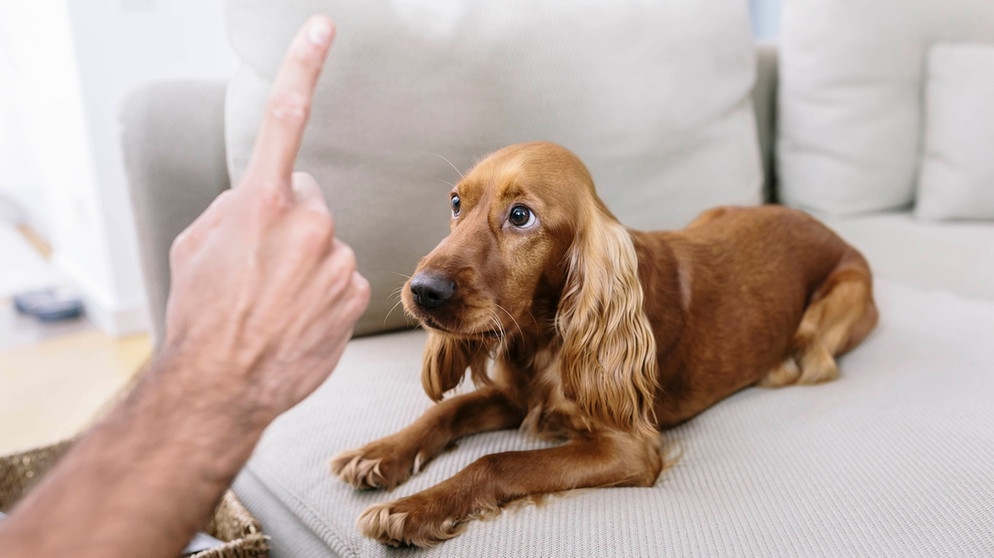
column 502, row 267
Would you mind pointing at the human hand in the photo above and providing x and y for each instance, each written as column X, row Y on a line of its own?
column 264, row 297
column 263, row 301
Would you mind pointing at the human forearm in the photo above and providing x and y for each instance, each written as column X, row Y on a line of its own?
column 145, row 477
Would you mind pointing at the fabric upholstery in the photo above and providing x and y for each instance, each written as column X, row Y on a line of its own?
column 954, row 257
column 172, row 136
column 654, row 97
column 288, row 536
column 957, row 175
column 850, row 109
column 892, row 459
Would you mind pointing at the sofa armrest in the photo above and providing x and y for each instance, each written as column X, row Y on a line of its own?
column 173, row 144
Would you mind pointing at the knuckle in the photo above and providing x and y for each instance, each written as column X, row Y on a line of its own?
column 363, row 291
column 304, row 186
column 341, row 267
column 180, row 247
column 316, row 229
column 323, row 221
column 174, row 255
column 355, row 297
column 224, row 197
column 348, row 254
column 346, row 257
column 303, row 178
column 269, row 201
column 304, row 55
column 218, row 206
column 289, row 106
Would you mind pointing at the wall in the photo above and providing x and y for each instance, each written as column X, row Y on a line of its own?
column 75, row 61
column 765, row 16
column 37, row 109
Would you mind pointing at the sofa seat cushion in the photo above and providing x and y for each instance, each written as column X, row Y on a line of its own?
column 892, row 459
column 957, row 257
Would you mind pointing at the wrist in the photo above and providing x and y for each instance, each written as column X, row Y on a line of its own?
column 216, row 383
column 200, row 407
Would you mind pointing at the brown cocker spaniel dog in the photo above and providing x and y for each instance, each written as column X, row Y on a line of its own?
column 600, row 335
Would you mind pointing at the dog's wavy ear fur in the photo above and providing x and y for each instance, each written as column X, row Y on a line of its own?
column 445, row 361
column 608, row 356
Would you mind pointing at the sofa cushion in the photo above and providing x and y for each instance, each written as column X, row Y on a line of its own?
column 850, row 110
column 956, row 257
column 957, row 175
column 653, row 96
column 892, row 459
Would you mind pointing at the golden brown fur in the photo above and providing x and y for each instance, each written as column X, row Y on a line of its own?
column 599, row 335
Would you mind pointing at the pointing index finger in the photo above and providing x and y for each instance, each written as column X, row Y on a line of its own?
column 289, row 105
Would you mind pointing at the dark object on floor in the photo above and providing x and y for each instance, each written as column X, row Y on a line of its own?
column 49, row 305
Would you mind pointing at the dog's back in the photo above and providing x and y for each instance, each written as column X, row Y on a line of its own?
column 766, row 294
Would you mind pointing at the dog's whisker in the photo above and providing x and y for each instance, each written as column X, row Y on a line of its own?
column 497, row 325
column 392, row 308
column 501, row 333
column 449, row 162
column 517, row 326
column 389, row 313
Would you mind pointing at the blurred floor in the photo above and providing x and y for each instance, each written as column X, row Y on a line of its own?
column 54, row 378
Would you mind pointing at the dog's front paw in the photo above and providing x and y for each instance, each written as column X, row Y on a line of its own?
column 380, row 464
column 407, row 523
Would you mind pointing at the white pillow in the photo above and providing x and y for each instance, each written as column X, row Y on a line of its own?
column 653, row 96
column 850, row 109
column 957, row 176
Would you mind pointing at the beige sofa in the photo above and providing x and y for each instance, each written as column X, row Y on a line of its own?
column 892, row 459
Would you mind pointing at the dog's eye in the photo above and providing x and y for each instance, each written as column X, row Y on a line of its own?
column 455, row 206
column 521, row 217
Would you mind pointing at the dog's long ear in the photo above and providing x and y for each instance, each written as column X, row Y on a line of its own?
column 608, row 357
column 445, row 362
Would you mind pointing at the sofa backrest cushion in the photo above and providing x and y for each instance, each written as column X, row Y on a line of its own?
column 850, row 100
column 653, row 96
column 957, row 172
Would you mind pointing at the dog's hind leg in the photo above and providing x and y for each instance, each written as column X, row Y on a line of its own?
column 841, row 314
column 784, row 374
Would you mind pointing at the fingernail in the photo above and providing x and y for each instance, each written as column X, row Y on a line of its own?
column 319, row 32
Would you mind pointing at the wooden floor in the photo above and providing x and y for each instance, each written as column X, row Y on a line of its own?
column 54, row 378
column 52, row 388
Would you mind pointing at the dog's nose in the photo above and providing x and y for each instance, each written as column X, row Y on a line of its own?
column 431, row 290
